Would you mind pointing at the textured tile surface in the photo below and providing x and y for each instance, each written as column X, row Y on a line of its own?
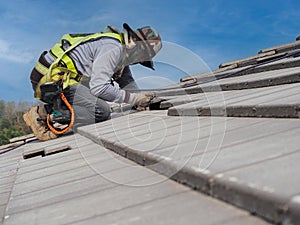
column 92, row 185
column 204, row 151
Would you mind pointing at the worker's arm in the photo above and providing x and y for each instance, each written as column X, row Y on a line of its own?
column 105, row 62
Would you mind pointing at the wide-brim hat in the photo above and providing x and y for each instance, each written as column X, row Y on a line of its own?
column 149, row 38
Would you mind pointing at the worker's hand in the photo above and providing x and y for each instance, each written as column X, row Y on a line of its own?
column 139, row 99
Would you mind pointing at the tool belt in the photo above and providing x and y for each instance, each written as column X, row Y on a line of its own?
column 60, row 113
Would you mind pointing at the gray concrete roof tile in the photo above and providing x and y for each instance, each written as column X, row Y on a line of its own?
column 258, row 175
column 228, row 96
column 4, row 197
column 152, row 213
column 293, row 209
column 236, row 156
column 112, row 199
column 278, row 101
column 262, row 191
column 58, row 193
column 274, row 77
column 2, row 213
column 275, row 139
column 9, row 164
column 55, row 160
column 57, row 189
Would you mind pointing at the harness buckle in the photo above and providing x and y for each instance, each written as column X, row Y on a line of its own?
column 78, row 77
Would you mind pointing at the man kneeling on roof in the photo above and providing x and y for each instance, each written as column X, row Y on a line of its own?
column 102, row 57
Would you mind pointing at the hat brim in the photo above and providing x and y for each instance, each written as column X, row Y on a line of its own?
column 148, row 64
column 127, row 27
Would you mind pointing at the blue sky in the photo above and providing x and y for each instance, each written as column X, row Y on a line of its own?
column 215, row 31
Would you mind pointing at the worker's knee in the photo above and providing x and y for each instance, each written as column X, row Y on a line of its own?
column 102, row 111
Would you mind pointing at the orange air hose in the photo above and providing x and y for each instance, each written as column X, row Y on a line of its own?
column 63, row 97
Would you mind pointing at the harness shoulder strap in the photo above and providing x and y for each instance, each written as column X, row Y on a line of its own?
column 70, row 41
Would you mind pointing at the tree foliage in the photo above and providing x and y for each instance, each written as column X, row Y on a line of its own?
column 11, row 120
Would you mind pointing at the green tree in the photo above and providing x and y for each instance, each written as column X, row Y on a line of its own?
column 2, row 108
column 5, row 123
column 11, row 120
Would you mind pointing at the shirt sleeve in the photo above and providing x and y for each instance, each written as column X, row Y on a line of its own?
column 105, row 61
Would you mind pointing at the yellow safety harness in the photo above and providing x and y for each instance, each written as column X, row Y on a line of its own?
column 63, row 68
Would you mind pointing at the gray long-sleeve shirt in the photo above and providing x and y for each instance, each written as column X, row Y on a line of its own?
column 99, row 60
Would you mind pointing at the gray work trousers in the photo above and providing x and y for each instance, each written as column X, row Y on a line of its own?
column 87, row 108
column 90, row 109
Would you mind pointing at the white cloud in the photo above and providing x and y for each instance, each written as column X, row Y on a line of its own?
column 11, row 53
column 4, row 46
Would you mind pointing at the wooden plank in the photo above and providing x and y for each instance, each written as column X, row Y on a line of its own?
column 250, row 59
column 188, row 78
column 21, row 138
column 271, row 57
column 11, row 145
column 282, row 48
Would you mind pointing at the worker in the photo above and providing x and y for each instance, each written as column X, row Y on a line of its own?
column 104, row 59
